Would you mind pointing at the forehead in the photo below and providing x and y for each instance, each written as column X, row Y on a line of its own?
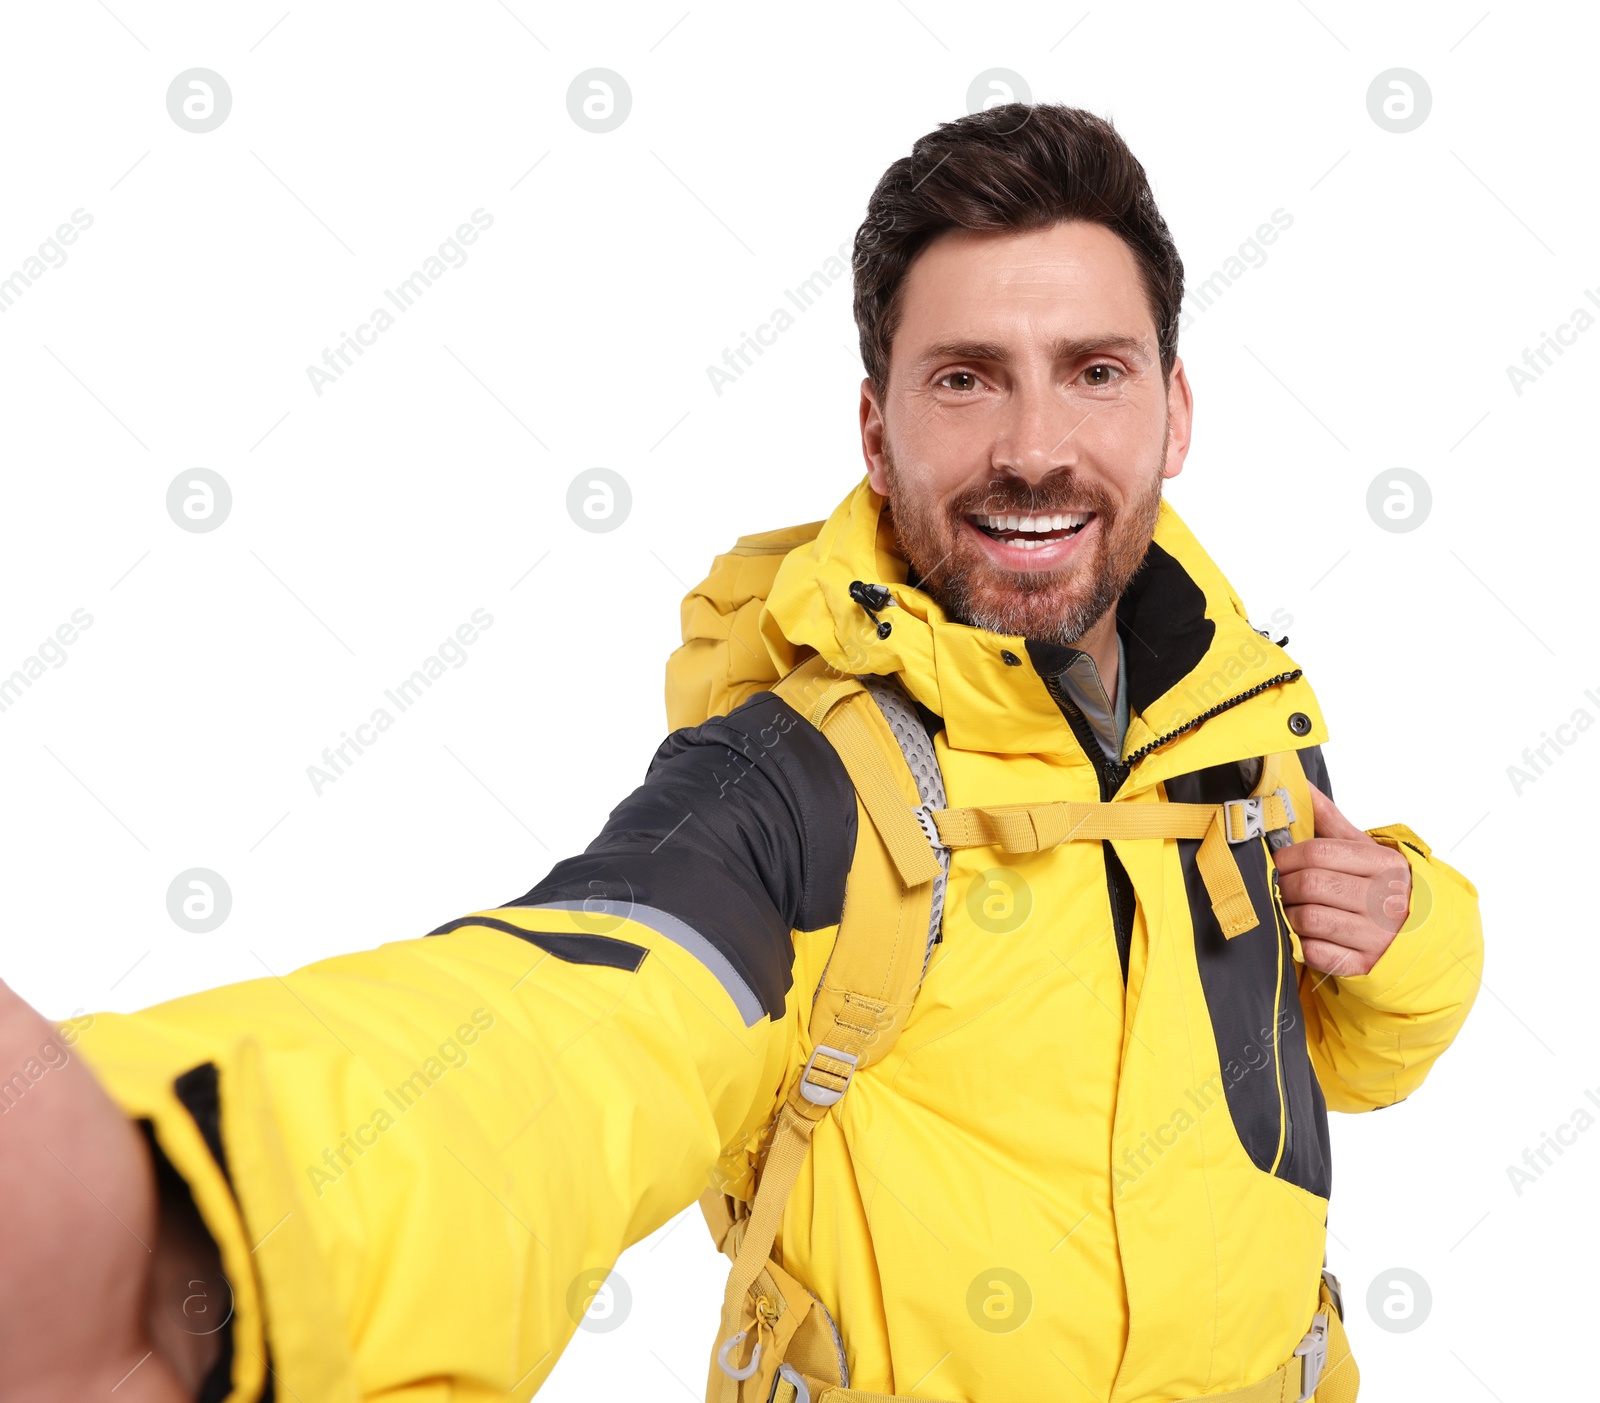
column 1042, row 282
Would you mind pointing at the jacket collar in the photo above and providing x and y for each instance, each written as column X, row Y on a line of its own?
column 1192, row 656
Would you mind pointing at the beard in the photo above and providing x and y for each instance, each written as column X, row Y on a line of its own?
column 1056, row 606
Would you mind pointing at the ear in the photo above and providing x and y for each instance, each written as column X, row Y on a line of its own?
column 1180, row 421
column 872, row 436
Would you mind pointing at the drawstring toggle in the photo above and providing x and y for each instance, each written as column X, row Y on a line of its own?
column 873, row 599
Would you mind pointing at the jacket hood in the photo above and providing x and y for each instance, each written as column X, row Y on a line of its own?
column 1197, row 671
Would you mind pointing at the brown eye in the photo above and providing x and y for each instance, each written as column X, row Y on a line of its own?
column 1100, row 374
column 962, row 380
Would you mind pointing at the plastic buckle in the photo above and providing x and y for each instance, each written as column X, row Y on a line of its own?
column 788, row 1375
column 930, row 830
column 1249, row 811
column 1312, row 1352
column 1252, row 816
column 819, row 1095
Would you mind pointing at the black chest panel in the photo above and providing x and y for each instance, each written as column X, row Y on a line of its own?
column 1253, row 998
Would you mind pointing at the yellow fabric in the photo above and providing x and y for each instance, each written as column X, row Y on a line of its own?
column 853, row 1395
column 431, row 1249
column 1024, row 1118
column 1338, row 1383
column 724, row 658
column 139, row 1078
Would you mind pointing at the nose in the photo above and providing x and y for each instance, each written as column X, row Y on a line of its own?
column 1037, row 434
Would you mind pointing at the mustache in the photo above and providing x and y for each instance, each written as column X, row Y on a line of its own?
column 1062, row 492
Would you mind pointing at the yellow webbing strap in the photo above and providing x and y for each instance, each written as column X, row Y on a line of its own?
column 840, row 707
column 849, row 726
column 834, row 1394
column 814, row 687
column 1230, row 902
column 866, row 992
column 790, row 1140
column 1028, row 828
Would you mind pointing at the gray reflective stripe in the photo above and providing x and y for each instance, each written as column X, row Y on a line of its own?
column 916, row 745
column 665, row 924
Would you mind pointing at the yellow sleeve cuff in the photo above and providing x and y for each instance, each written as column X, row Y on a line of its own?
column 142, row 1082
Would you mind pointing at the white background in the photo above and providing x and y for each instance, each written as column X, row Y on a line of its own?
column 431, row 478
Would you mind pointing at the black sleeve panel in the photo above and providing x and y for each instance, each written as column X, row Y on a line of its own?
column 744, row 830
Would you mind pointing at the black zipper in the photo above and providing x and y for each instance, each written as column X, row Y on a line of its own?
column 1110, row 773
column 1217, row 710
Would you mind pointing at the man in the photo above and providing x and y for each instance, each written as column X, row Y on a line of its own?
column 1079, row 1150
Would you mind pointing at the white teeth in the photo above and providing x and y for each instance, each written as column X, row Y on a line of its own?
column 1059, row 522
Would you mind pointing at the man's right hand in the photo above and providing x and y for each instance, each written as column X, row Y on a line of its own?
column 81, row 1223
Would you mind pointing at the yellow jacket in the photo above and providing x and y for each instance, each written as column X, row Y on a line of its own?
column 414, row 1157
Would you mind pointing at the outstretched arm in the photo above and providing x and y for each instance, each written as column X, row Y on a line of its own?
column 416, row 1160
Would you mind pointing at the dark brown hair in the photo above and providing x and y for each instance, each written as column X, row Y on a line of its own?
column 1016, row 167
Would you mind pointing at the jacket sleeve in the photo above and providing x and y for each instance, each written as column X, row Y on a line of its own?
column 1373, row 1037
column 419, row 1161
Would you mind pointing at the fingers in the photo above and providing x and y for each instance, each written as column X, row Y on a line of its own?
column 1328, row 958
column 1346, row 928
column 1328, row 886
column 17, row 1017
column 1330, row 823
column 1365, row 858
column 79, row 1192
column 1335, row 941
column 1317, row 886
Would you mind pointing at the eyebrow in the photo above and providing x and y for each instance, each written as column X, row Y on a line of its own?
column 1064, row 349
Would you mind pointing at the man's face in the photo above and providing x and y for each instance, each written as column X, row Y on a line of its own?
column 1026, row 429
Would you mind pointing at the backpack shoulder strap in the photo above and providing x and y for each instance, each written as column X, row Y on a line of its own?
column 896, row 889
column 1284, row 771
column 886, row 932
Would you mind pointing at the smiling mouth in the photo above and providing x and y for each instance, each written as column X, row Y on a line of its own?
column 1031, row 532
